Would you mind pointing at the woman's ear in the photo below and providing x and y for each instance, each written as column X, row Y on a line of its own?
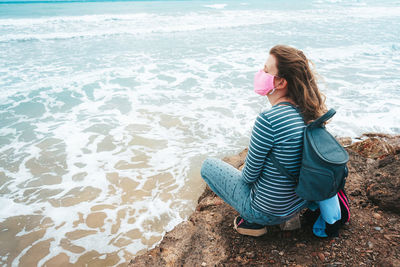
column 282, row 83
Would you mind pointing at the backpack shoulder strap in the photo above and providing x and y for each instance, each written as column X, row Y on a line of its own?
column 282, row 169
column 318, row 122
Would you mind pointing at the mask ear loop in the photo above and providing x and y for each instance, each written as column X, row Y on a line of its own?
column 273, row 90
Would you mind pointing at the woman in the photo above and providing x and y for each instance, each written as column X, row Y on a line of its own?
column 260, row 193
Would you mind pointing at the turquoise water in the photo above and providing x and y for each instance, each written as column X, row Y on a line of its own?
column 108, row 108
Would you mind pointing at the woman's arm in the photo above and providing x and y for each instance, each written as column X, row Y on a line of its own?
column 261, row 141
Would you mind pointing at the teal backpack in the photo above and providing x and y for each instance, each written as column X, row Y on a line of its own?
column 323, row 170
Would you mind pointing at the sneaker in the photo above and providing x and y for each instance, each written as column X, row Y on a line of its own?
column 291, row 224
column 246, row 228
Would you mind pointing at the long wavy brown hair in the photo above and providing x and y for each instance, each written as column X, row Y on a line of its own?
column 294, row 66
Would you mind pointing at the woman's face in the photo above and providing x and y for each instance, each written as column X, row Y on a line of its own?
column 270, row 66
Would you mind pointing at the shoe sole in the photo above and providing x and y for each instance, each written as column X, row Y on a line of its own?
column 250, row 232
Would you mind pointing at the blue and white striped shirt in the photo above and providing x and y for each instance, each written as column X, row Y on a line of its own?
column 278, row 131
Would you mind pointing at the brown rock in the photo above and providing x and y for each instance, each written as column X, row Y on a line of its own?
column 209, row 201
column 387, row 160
column 383, row 187
column 380, row 180
column 371, row 148
column 250, row 255
column 237, row 160
column 321, row 256
column 301, row 245
column 345, row 141
column 377, row 216
column 377, row 146
column 186, row 243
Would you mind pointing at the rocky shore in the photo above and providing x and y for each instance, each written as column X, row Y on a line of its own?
column 372, row 238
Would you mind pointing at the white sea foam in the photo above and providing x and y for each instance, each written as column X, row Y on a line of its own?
column 146, row 23
column 216, row 6
column 10, row 208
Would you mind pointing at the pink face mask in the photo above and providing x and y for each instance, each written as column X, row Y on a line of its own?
column 264, row 83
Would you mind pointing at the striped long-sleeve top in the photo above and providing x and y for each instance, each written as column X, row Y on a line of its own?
column 278, row 131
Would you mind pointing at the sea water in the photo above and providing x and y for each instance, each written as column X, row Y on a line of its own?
column 107, row 109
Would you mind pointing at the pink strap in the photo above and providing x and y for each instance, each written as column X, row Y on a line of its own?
column 344, row 196
column 345, row 204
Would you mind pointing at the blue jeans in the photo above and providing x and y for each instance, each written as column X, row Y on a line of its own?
column 228, row 184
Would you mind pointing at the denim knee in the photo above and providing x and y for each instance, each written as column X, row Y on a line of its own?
column 206, row 168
